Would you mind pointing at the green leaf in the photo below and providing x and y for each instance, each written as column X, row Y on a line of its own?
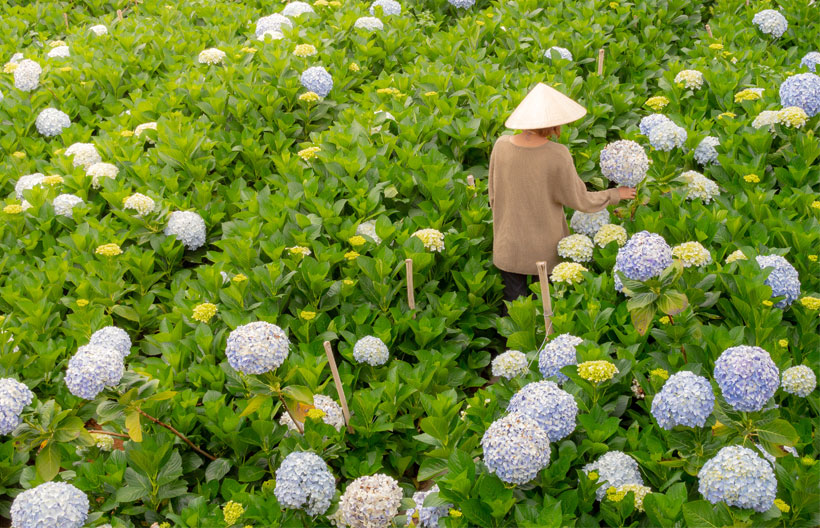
column 217, row 469
column 431, row 467
column 161, row 396
column 126, row 312
column 299, row 393
column 642, row 318
column 778, row 432
column 132, row 422
column 69, row 429
column 47, row 463
column 253, row 404
column 672, row 302
column 639, row 300
column 702, row 514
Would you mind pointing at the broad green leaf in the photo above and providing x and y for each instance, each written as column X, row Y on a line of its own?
column 47, row 462
column 132, row 423
column 672, row 302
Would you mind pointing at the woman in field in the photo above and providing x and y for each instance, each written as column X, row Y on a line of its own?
column 531, row 179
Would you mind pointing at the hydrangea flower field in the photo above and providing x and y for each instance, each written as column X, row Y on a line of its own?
column 247, row 275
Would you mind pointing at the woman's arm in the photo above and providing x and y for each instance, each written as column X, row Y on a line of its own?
column 572, row 192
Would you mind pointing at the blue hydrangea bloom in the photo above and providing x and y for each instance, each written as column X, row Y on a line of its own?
column 624, row 162
column 810, row 60
column 557, row 354
column 92, row 369
column 564, row 53
column 316, row 79
column 783, row 280
column 544, row 402
column 462, row 4
column 705, row 152
column 112, row 337
column 771, row 22
column 14, row 396
column 304, row 482
column 50, row 505
column 426, row 517
column 257, row 347
column 516, row 448
column 667, row 136
column 651, row 121
column 588, row 223
column 645, row 255
column 614, row 468
column 685, row 399
column 738, row 477
column 389, row 7
column 802, row 90
column 747, row 377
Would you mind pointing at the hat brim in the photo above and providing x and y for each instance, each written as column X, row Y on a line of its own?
column 544, row 107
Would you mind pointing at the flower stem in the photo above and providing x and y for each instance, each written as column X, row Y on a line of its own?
column 109, row 433
column 180, row 435
column 295, row 422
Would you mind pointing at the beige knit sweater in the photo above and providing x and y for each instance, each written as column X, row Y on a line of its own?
column 529, row 187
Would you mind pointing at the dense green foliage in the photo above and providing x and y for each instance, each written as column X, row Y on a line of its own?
column 226, row 147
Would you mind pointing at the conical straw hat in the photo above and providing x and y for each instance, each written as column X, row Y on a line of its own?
column 544, row 107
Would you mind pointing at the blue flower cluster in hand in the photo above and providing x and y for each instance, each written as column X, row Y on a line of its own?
column 304, row 482
column 92, row 369
column 426, row 517
column 802, row 90
column 557, row 354
column 615, row 469
column 624, row 162
column 516, row 448
column 543, row 401
column 685, row 399
column 738, row 477
column 14, row 396
column 112, row 337
column 257, row 347
column 747, row 377
column 316, row 79
column 644, row 256
column 783, row 280
column 50, row 505
column 705, row 152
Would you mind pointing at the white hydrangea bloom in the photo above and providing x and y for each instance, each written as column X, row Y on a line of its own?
column 101, row 170
column 27, row 75
column 588, row 223
column 692, row 79
column 64, row 204
column 51, row 122
column 368, row 23
column 272, row 34
column 371, row 350
column 564, row 53
column 274, row 22
column 510, row 364
column 188, row 227
column 297, row 8
column 85, row 154
column 140, row 203
column 98, row 30
column 151, row 125
column 211, row 56
column 29, row 181
column 699, row 187
column 610, row 233
column 766, row 118
column 59, row 52
column 576, row 247
column 368, row 229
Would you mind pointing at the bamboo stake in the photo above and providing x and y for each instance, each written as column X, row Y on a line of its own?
column 545, row 295
column 471, row 183
column 65, row 18
column 411, row 298
column 709, row 31
column 601, row 61
column 119, row 15
column 338, row 382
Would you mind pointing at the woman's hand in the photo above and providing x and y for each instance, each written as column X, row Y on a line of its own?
column 626, row 193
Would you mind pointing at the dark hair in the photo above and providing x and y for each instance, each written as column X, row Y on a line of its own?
column 548, row 131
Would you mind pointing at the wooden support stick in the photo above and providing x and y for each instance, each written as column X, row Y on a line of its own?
column 411, row 298
column 601, row 61
column 119, row 15
column 338, row 382
column 709, row 31
column 65, row 18
column 471, row 183
column 545, row 295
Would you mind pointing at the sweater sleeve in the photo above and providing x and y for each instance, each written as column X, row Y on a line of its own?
column 572, row 192
column 490, row 178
